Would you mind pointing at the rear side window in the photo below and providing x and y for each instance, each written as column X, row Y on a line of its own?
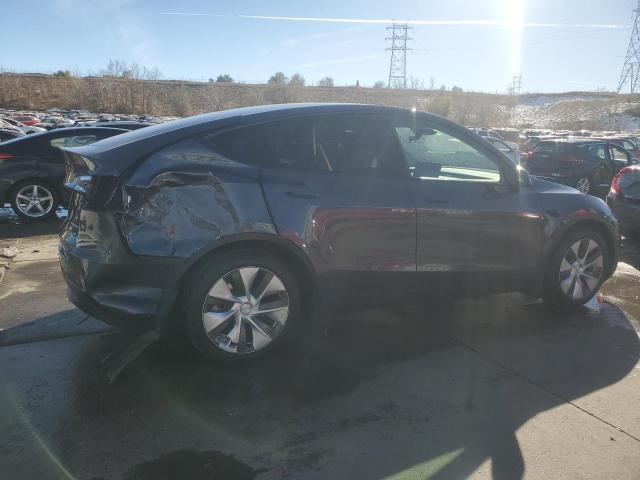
column 348, row 143
column 597, row 151
column 549, row 148
column 244, row 145
column 74, row 141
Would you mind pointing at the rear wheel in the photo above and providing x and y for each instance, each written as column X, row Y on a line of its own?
column 583, row 184
column 241, row 305
column 34, row 200
column 576, row 269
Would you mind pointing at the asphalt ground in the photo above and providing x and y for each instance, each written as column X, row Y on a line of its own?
column 500, row 387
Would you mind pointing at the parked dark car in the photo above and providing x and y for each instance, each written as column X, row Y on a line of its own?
column 124, row 124
column 236, row 224
column 32, row 169
column 9, row 134
column 624, row 199
column 587, row 165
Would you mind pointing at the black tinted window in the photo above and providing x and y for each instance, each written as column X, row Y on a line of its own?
column 245, row 145
column 335, row 143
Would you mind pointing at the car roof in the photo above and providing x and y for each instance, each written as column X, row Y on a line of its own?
column 200, row 123
column 112, row 151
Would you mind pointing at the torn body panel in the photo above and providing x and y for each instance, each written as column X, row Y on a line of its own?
column 174, row 207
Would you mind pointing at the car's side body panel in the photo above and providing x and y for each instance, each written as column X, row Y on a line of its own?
column 172, row 204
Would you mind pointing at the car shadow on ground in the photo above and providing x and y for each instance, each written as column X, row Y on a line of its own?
column 442, row 387
column 12, row 226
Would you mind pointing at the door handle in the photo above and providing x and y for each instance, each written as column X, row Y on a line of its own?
column 300, row 195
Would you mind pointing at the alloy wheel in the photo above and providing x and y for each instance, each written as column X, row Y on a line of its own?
column 245, row 310
column 583, row 185
column 581, row 269
column 34, row 201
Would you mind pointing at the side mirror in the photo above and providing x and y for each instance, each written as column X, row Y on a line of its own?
column 524, row 178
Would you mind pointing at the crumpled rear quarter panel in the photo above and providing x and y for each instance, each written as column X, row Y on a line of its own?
column 184, row 198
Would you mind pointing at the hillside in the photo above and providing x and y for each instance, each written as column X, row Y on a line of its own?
column 575, row 110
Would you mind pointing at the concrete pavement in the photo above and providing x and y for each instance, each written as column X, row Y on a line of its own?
column 501, row 387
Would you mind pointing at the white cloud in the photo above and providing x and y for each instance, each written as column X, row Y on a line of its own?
column 466, row 22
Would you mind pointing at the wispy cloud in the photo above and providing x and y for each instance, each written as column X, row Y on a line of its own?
column 464, row 22
column 338, row 61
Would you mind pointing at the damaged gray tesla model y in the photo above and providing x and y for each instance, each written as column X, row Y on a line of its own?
column 236, row 225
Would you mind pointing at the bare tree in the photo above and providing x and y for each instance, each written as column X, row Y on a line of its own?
column 379, row 84
column 278, row 78
column 326, row 82
column 181, row 102
column 297, row 80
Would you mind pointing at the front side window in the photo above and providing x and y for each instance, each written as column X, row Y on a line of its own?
column 436, row 155
column 349, row 143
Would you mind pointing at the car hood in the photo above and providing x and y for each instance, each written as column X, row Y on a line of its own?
column 544, row 186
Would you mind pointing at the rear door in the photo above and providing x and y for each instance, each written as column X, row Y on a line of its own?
column 335, row 191
column 477, row 231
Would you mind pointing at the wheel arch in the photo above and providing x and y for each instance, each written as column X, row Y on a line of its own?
column 281, row 248
column 586, row 224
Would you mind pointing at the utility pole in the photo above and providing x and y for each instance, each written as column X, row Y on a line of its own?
column 516, row 84
column 398, row 65
column 631, row 68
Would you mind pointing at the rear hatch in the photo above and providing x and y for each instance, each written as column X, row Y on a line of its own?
column 630, row 187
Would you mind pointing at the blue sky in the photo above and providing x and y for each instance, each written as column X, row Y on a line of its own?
column 478, row 45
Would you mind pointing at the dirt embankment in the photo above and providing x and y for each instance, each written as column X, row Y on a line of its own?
column 172, row 97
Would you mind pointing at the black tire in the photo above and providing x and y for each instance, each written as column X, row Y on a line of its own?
column 581, row 180
column 202, row 280
column 51, row 207
column 553, row 292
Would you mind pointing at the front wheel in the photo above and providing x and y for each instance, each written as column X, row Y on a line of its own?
column 34, row 200
column 240, row 305
column 576, row 269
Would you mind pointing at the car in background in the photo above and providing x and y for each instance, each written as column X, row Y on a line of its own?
column 9, row 134
column 124, row 124
column 628, row 143
column 510, row 149
column 232, row 226
column 27, row 120
column 51, row 123
column 32, row 169
column 27, row 129
column 587, row 165
column 487, row 133
column 624, row 199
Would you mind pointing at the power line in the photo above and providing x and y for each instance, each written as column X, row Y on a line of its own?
column 398, row 63
column 630, row 75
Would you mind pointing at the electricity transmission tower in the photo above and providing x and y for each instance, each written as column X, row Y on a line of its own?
column 398, row 66
column 631, row 69
column 516, row 84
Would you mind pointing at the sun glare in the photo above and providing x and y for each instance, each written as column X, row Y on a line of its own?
column 515, row 20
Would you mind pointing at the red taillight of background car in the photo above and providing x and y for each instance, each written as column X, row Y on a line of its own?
column 615, row 183
column 5, row 155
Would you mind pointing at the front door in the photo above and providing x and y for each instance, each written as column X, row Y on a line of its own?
column 478, row 231
column 335, row 192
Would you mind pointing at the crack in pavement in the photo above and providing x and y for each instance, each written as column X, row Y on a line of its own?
column 541, row 387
